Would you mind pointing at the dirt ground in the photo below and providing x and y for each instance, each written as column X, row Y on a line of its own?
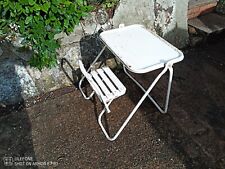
column 61, row 127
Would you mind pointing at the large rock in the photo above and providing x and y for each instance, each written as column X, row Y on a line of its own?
column 63, row 74
column 132, row 12
column 167, row 17
column 15, row 83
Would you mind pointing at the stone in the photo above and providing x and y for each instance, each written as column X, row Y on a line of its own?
column 48, row 79
column 192, row 30
column 17, row 42
column 111, row 63
column 73, row 37
column 60, row 35
column 167, row 18
column 24, row 54
column 195, row 40
column 15, row 82
column 86, row 27
column 62, row 75
column 1, row 52
column 131, row 12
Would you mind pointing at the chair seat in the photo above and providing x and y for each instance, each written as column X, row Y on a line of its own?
column 106, row 85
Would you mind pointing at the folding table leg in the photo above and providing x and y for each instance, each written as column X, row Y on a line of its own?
column 89, row 69
column 170, row 68
column 135, row 108
column 168, row 88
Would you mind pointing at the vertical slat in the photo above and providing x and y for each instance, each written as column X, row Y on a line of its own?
column 101, row 84
column 115, row 80
column 107, row 81
column 97, row 89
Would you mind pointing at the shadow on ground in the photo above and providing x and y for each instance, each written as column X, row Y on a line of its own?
column 15, row 126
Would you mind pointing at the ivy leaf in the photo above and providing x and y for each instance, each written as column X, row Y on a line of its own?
column 31, row 2
column 39, row 21
column 22, row 26
column 18, row 7
column 45, row 7
column 66, row 23
column 36, row 7
column 27, row 10
column 28, row 19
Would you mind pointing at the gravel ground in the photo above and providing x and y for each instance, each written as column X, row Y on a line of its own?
column 61, row 127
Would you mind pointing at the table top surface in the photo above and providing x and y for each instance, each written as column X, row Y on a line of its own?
column 140, row 50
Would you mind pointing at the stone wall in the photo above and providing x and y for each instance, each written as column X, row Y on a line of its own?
column 19, row 81
column 168, row 18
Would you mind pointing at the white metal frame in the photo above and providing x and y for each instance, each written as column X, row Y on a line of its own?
column 167, row 66
column 103, row 82
column 89, row 69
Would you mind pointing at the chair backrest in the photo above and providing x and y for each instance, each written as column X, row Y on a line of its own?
column 89, row 78
column 83, row 70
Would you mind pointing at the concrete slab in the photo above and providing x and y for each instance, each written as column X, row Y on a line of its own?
column 208, row 23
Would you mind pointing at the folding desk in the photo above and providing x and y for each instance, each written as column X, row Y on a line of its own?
column 140, row 51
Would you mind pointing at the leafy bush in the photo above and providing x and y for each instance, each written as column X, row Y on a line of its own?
column 94, row 1
column 109, row 3
column 37, row 21
column 221, row 7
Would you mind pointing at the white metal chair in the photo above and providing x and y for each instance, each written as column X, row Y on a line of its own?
column 106, row 86
column 104, row 83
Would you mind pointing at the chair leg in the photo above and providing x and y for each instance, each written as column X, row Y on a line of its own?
column 133, row 111
column 103, row 128
column 170, row 68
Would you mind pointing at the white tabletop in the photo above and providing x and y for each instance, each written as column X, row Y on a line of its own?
column 139, row 50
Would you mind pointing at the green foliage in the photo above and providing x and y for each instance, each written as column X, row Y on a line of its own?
column 107, row 4
column 37, row 21
column 221, row 7
column 94, row 1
